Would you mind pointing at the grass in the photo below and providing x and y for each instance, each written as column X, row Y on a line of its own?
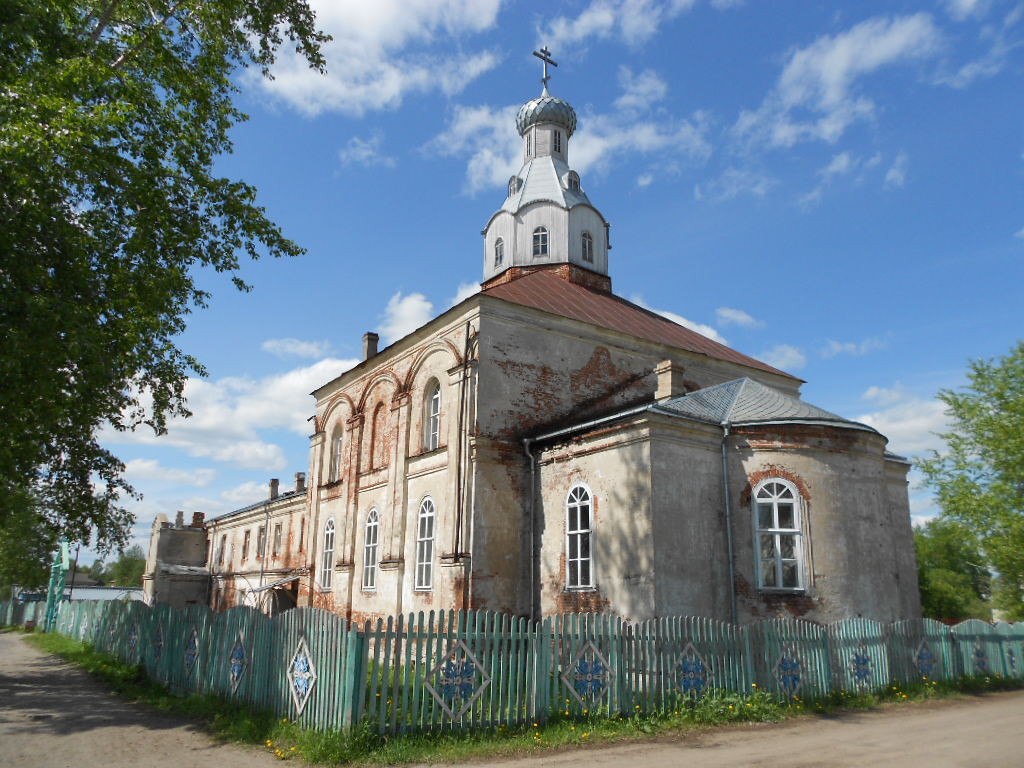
column 286, row 740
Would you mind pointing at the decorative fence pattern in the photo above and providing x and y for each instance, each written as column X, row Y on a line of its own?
column 455, row 670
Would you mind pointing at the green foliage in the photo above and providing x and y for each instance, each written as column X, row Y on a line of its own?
column 112, row 115
column 979, row 479
column 955, row 583
column 26, row 550
column 127, row 570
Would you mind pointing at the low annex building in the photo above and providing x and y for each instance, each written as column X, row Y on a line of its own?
column 546, row 446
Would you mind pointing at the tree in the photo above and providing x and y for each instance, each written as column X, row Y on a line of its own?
column 127, row 570
column 112, row 113
column 979, row 478
column 955, row 583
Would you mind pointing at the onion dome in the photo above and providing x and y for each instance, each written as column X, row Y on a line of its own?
column 546, row 109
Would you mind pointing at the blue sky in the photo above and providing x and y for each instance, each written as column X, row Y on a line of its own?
column 834, row 188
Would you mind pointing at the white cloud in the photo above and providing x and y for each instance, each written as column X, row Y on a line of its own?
column 644, row 180
column 404, row 314
column 701, row 328
column 884, row 395
column 463, row 292
column 150, row 469
column 231, row 415
column 1019, row 234
column 487, row 136
column 365, row 152
column 639, row 92
column 896, row 176
column 961, row 10
column 816, row 97
column 632, row 21
column 603, row 138
column 840, row 165
column 992, row 62
column 733, row 316
column 296, row 347
column 246, row 493
column 911, row 423
column 856, row 348
column 383, row 51
column 785, row 357
column 732, row 183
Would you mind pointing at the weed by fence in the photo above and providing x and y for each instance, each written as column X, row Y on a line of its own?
column 466, row 670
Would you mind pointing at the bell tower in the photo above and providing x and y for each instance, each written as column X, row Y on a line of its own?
column 547, row 221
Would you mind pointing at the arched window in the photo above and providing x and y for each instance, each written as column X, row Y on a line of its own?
column 557, row 141
column 432, row 415
column 370, row 543
column 778, row 545
column 513, row 185
column 529, row 145
column 579, row 535
column 574, row 181
column 327, row 560
column 378, row 438
column 499, row 252
column 588, row 247
column 334, row 473
column 540, row 242
column 425, row 546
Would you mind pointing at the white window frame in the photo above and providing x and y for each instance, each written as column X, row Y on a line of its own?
column 337, row 445
column 768, row 497
column 278, row 533
column 499, row 252
column 587, row 241
column 371, row 546
column 327, row 556
column 426, row 523
column 574, row 181
column 540, row 242
column 579, row 497
column 557, row 141
column 432, row 416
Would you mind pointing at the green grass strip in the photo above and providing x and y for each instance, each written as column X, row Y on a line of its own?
column 229, row 721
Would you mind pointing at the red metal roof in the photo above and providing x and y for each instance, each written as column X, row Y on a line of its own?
column 550, row 293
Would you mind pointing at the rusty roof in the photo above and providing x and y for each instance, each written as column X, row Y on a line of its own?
column 548, row 292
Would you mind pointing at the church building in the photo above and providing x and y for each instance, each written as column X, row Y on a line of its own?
column 547, row 446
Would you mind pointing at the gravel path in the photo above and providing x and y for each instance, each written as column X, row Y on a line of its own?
column 53, row 715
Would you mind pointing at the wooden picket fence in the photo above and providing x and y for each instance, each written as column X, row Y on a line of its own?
column 480, row 669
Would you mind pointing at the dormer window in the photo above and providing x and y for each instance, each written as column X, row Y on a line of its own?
column 499, row 252
column 557, row 141
column 588, row 247
column 574, row 181
column 513, row 185
column 540, row 242
column 529, row 145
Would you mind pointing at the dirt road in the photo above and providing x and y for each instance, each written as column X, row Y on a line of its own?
column 54, row 716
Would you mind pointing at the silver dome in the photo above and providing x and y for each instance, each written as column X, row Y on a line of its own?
column 546, row 109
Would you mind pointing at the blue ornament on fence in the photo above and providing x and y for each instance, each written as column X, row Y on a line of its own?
column 301, row 675
column 860, row 665
column 590, row 679
column 693, row 672
column 925, row 659
column 191, row 651
column 980, row 659
column 458, row 680
column 789, row 674
column 236, row 663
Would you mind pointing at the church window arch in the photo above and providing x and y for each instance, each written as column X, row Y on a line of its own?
column 425, row 545
column 334, row 470
column 574, row 181
column 778, row 536
column 432, row 415
column 371, row 544
column 579, row 539
column 557, row 140
column 588, row 247
column 378, row 438
column 327, row 557
column 540, row 241
column 499, row 252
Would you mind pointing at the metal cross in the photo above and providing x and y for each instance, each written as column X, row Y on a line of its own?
column 545, row 55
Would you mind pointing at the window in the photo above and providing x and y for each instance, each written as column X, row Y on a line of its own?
column 425, row 546
column 277, row 539
column 327, row 561
column 588, row 247
column 513, row 185
column 245, row 547
column 499, row 252
column 302, row 531
column 220, row 551
column 578, row 539
column 370, row 538
column 574, row 181
column 557, row 140
column 432, row 416
column 540, row 242
column 261, row 541
column 334, row 473
column 778, row 546
column 529, row 145
column 378, row 438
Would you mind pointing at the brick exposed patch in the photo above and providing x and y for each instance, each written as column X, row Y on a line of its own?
column 569, row 272
column 773, row 470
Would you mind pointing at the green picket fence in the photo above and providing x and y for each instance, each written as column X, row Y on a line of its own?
column 449, row 670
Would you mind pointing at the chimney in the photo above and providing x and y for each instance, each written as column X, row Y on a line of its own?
column 300, row 482
column 370, row 340
column 275, row 485
column 197, row 519
column 179, row 519
column 670, row 380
